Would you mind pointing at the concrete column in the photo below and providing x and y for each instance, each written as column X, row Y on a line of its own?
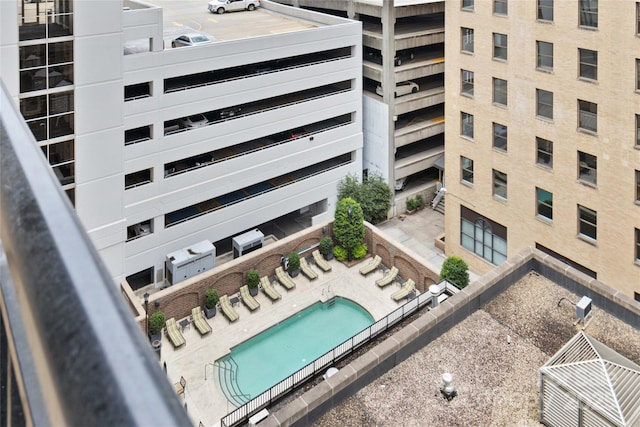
column 389, row 82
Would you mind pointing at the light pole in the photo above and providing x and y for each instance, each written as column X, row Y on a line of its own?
column 351, row 230
column 146, row 310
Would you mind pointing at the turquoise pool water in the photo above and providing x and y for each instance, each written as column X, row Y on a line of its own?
column 281, row 350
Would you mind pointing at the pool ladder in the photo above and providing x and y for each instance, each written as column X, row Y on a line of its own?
column 328, row 297
column 227, row 372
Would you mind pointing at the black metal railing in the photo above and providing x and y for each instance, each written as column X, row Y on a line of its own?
column 71, row 352
column 318, row 366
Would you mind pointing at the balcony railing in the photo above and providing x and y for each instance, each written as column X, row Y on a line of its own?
column 70, row 351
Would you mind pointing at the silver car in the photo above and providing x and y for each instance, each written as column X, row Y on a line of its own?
column 222, row 6
column 191, row 39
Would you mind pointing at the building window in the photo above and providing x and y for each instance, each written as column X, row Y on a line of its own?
column 637, row 130
column 545, row 55
column 138, row 178
column 466, row 125
column 545, row 10
column 544, row 103
column 588, row 64
column 637, row 185
column 587, row 116
column 499, row 46
column 483, row 237
column 587, row 222
column 467, row 4
column 587, row 168
column 500, row 136
column 544, row 152
column 499, row 184
column 500, row 7
column 638, row 18
column 466, row 167
column 467, row 82
column 141, row 229
column 500, row 91
column 637, row 74
column 137, row 91
column 467, row 40
column 141, row 134
column 637, row 245
column 588, row 13
column 544, row 203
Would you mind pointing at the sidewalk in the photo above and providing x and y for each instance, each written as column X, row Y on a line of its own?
column 418, row 232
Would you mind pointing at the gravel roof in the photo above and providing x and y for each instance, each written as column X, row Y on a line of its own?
column 494, row 356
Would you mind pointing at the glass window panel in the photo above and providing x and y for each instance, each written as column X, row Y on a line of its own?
column 545, row 152
column 39, row 129
column 545, row 10
column 61, row 75
column 499, row 245
column 467, row 242
column 467, row 125
column 500, row 136
column 61, row 152
column 60, row 25
column 545, row 55
column 467, row 4
column 588, row 115
column 589, row 13
column 545, row 103
column 65, row 173
column 500, row 91
column 32, row 56
column 33, row 107
column 467, row 39
column 544, row 203
column 467, row 82
column 500, row 7
column 588, row 64
column 60, row 52
column 587, row 167
column 587, row 222
column 35, row 79
column 467, row 227
column 500, row 46
column 60, row 126
column 61, row 102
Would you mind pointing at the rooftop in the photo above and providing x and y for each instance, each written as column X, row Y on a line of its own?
column 494, row 356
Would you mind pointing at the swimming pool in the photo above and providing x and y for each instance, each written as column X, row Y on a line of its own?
column 268, row 358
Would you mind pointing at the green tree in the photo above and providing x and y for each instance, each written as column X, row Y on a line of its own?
column 455, row 270
column 375, row 198
column 348, row 226
column 373, row 195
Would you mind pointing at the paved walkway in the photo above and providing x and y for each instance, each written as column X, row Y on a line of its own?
column 204, row 400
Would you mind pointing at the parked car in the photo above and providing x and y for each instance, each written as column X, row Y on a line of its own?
column 191, row 39
column 400, row 183
column 230, row 112
column 222, row 6
column 194, row 121
column 375, row 55
column 402, row 88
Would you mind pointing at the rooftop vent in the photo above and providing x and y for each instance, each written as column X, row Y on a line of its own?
column 447, row 388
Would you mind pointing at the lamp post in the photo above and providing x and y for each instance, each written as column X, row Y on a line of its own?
column 350, row 229
column 146, row 310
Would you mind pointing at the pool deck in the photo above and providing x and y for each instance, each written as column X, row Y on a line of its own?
column 204, row 400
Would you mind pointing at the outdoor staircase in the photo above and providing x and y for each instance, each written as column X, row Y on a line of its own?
column 438, row 201
column 328, row 297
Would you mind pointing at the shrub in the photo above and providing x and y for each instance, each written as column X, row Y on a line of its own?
column 373, row 195
column 253, row 278
column 294, row 261
column 326, row 245
column 360, row 251
column 411, row 204
column 211, row 298
column 419, row 201
column 340, row 253
column 348, row 226
column 156, row 322
column 455, row 270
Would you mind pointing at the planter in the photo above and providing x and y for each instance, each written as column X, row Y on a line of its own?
column 157, row 347
column 328, row 257
column 411, row 212
column 209, row 312
column 155, row 337
column 253, row 291
column 294, row 273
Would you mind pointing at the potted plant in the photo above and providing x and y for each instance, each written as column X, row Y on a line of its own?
column 211, row 298
column 253, row 280
column 326, row 247
column 411, row 205
column 156, row 323
column 294, row 264
column 419, row 201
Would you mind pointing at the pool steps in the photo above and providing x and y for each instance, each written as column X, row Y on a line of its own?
column 227, row 373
